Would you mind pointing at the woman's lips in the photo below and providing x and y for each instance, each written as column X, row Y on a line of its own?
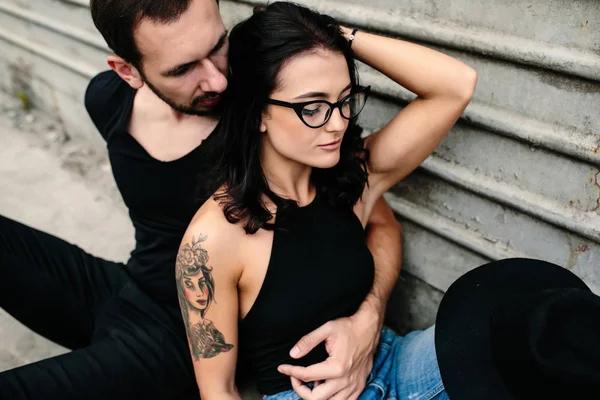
column 331, row 145
column 201, row 302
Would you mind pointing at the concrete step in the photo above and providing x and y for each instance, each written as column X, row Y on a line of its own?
column 57, row 35
column 51, row 61
column 76, row 13
column 50, row 82
column 442, row 212
column 572, row 24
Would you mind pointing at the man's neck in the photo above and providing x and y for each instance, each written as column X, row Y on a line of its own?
column 155, row 109
column 163, row 132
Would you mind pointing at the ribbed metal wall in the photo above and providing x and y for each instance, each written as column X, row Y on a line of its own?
column 517, row 176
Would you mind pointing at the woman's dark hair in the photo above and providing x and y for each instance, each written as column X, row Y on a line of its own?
column 259, row 48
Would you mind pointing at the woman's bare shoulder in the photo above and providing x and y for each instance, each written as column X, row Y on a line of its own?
column 222, row 237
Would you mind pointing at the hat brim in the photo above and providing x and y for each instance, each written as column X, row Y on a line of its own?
column 462, row 332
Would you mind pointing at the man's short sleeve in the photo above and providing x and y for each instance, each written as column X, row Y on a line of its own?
column 106, row 99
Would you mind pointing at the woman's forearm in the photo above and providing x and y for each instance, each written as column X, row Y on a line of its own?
column 227, row 396
column 423, row 71
column 232, row 394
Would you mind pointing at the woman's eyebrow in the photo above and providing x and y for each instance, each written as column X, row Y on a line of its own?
column 319, row 94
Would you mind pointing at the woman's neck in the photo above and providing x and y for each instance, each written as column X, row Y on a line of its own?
column 288, row 179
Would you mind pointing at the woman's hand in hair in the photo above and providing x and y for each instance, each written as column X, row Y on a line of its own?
column 443, row 87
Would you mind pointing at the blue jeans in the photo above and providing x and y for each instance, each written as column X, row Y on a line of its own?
column 404, row 368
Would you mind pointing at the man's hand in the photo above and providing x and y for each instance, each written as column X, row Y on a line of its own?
column 350, row 343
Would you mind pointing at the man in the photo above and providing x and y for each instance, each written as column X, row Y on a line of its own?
column 156, row 109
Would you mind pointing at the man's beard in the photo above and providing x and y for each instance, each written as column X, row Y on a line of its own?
column 190, row 110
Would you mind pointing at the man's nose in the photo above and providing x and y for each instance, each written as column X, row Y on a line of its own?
column 213, row 80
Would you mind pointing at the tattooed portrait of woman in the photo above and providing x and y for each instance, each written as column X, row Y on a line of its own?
column 196, row 290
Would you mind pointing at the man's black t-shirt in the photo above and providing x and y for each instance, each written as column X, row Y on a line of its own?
column 160, row 195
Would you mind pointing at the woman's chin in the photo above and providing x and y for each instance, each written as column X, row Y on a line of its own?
column 325, row 162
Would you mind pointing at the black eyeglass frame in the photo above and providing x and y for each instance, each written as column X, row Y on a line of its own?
column 298, row 107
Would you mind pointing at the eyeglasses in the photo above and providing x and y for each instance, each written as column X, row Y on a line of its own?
column 316, row 113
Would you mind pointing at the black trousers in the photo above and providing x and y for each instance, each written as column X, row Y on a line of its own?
column 124, row 344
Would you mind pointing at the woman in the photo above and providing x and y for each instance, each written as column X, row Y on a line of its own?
column 282, row 232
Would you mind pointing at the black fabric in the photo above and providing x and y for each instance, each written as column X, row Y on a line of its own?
column 160, row 195
column 518, row 329
column 320, row 270
column 125, row 345
column 53, row 287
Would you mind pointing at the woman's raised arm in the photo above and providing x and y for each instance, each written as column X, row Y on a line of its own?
column 444, row 87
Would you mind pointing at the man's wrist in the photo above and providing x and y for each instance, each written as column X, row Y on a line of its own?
column 372, row 310
column 369, row 318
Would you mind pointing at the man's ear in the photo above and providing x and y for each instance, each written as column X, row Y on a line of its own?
column 126, row 71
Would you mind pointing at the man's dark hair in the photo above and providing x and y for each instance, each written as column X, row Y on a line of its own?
column 117, row 20
column 259, row 48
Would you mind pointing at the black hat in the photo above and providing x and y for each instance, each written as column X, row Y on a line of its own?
column 519, row 329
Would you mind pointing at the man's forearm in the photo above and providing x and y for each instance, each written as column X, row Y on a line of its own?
column 384, row 239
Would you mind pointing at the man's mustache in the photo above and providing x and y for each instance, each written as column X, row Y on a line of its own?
column 207, row 96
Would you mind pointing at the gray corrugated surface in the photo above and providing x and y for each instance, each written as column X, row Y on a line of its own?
column 519, row 174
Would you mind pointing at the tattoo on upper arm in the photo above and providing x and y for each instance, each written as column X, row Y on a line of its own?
column 196, row 290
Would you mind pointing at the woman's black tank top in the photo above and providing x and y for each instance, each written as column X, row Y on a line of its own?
column 320, row 270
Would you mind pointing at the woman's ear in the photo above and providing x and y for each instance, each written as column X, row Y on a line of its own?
column 263, row 125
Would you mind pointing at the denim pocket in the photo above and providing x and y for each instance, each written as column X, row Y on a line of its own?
column 375, row 390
